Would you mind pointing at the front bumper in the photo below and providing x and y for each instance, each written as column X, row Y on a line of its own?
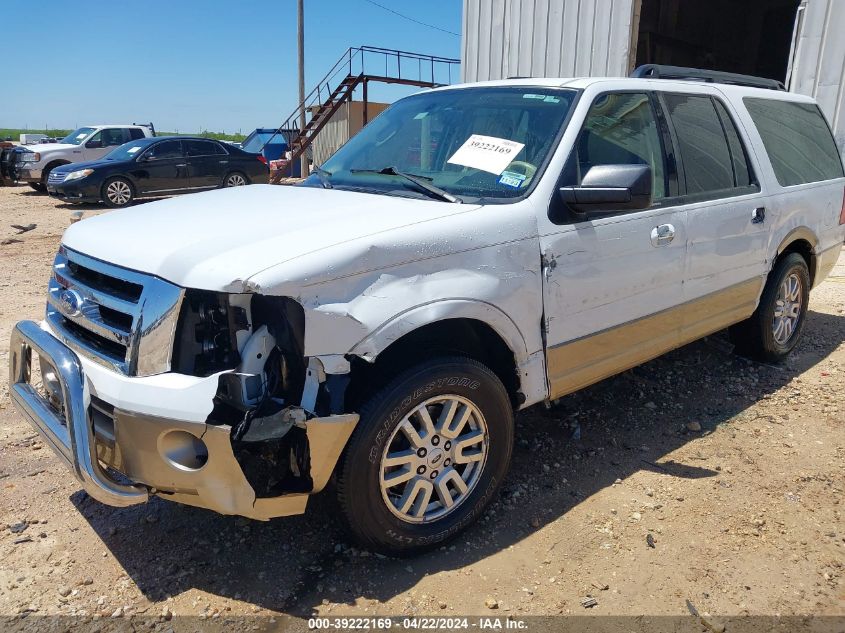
column 26, row 173
column 75, row 191
column 148, row 450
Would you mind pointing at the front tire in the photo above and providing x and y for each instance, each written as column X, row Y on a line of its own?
column 774, row 329
column 117, row 193
column 427, row 457
column 37, row 186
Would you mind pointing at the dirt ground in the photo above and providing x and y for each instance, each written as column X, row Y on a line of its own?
column 735, row 470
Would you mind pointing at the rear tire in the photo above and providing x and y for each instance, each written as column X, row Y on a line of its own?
column 235, row 179
column 406, row 485
column 774, row 329
column 39, row 187
column 117, row 192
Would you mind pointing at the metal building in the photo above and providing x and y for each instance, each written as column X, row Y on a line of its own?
column 800, row 42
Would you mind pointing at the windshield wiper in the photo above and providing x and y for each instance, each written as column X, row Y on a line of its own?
column 422, row 185
column 323, row 175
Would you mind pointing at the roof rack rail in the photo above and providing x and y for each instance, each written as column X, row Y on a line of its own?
column 658, row 71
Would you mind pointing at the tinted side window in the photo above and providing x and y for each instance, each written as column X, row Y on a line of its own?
column 620, row 129
column 702, row 143
column 797, row 140
column 165, row 149
column 113, row 136
column 743, row 176
column 203, row 148
column 135, row 133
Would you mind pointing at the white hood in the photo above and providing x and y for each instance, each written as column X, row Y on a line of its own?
column 43, row 148
column 218, row 239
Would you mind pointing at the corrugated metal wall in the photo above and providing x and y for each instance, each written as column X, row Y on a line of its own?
column 818, row 64
column 551, row 38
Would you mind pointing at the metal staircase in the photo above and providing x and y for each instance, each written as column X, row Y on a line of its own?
column 357, row 67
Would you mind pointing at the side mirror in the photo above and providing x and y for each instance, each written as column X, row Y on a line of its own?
column 94, row 144
column 610, row 188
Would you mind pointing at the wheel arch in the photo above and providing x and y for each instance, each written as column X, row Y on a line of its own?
column 56, row 162
column 803, row 241
column 473, row 329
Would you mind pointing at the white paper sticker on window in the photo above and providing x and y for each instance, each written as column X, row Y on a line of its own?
column 83, row 135
column 486, row 153
column 132, row 150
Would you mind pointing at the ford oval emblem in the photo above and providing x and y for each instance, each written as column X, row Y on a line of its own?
column 70, row 303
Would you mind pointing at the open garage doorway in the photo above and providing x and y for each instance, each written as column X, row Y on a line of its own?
column 753, row 37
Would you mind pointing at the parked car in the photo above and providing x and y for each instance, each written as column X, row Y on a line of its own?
column 154, row 167
column 381, row 324
column 33, row 165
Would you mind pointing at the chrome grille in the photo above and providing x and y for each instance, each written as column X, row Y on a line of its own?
column 117, row 317
column 56, row 178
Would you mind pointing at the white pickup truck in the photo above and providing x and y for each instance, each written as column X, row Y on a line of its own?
column 473, row 251
column 34, row 164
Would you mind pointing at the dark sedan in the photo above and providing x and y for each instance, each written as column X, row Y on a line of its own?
column 158, row 166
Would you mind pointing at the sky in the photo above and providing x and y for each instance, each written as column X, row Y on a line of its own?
column 193, row 65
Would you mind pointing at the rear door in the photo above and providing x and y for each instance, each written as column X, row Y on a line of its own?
column 727, row 217
column 612, row 283
column 162, row 168
column 208, row 163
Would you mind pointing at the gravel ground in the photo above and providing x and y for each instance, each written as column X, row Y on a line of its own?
column 699, row 479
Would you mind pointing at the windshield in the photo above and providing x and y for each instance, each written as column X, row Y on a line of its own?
column 127, row 150
column 257, row 140
column 473, row 143
column 78, row 136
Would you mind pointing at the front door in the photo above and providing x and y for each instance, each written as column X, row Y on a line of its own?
column 104, row 142
column 611, row 283
column 208, row 163
column 162, row 168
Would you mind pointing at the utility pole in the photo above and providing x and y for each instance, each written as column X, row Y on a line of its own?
column 300, row 36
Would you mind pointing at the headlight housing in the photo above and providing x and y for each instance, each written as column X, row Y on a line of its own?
column 29, row 157
column 76, row 175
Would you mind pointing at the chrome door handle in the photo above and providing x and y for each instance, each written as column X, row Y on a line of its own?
column 662, row 235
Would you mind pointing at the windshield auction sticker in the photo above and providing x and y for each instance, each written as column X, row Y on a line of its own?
column 486, row 153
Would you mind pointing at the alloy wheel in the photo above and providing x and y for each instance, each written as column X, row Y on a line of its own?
column 118, row 192
column 787, row 309
column 434, row 459
column 235, row 180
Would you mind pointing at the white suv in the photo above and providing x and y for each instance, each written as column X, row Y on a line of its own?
column 91, row 142
column 473, row 251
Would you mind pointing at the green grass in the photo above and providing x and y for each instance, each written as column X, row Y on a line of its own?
column 15, row 134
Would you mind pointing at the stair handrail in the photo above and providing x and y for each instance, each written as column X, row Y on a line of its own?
column 346, row 62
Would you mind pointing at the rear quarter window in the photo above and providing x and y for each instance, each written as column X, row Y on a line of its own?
column 797, row 140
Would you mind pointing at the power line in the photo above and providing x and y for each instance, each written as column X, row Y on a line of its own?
column 406, row 17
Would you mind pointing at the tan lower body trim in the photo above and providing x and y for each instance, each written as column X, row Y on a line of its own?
column 585, row 361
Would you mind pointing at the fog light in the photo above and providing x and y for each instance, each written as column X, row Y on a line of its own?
column 182, row 450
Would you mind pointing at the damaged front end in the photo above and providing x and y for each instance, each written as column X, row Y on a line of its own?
column 273, row 435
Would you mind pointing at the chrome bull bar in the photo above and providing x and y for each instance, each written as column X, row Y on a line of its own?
column 71, row 435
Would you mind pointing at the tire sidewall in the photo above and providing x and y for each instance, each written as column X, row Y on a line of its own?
column 792, row 263
column 362, row 465
column 111, row 204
